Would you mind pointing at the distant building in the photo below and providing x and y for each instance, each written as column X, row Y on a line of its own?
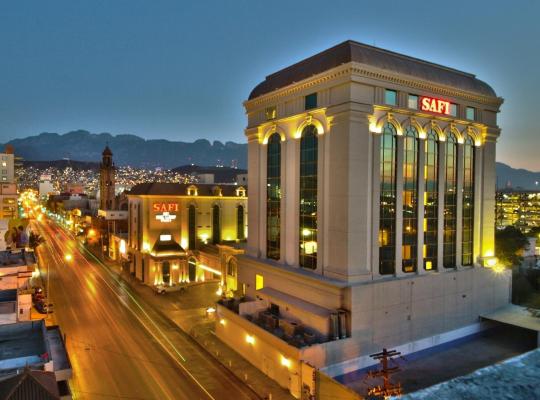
column 46, row 186
column 73, row 188
column 106, row 181
column 205, row 179
column 519, row 208
column 8, row 200
column 242, row 179
column 7, row 165
column 179, row 233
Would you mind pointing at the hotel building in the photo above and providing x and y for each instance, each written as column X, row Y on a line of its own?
column 179, row 233
column 372, row 214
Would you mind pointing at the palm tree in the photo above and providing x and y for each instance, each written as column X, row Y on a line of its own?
column 35, row 240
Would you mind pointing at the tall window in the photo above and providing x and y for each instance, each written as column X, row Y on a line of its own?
column 410, row 199
column 240, row 223
column 191, row 227
column 273, row 197
column 308, row 197
column 387, row 209
column 468, row 202
column 431, row 200
column 450, row 203
column 216, row 228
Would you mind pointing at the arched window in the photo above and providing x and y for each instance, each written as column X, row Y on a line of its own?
column 273, row 197
column 192, row 227
column 387, row 208
column 410, row 199
column 232, row 267
column 216, row 228
column 240, row 223
column 468, row 202
column 431, row 200
column 308, row 197
column 450, row 203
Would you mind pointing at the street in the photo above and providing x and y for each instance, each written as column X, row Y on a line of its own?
column 119, row 347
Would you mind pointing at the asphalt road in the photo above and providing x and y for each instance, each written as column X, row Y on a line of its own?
column 118, row 346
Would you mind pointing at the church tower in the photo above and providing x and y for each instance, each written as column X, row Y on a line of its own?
column 106, row 180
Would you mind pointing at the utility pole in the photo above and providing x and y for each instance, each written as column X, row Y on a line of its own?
column 387, row 389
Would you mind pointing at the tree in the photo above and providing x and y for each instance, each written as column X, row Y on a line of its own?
column 509, row 243
column 35, row 240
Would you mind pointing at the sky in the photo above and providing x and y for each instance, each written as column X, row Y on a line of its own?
column 180, row 70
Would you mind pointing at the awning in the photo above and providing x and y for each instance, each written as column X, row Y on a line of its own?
column 167, row 247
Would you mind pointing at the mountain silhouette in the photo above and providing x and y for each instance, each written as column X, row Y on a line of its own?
column 131, row 150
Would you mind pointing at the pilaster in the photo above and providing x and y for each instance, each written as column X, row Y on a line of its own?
column 459, row 204
column 399, row 206
column 440, row 208
column 420, row 210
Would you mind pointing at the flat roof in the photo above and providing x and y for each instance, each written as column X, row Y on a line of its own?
column 181, row 189
column 516, row 316
column 352, row 51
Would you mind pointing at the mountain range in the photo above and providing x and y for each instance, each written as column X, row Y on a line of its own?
column 138, row 152
column 129, row 150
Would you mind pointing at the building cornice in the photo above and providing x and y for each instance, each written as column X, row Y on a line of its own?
column 360, row 70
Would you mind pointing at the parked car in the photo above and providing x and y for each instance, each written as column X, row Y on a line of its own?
column 44, row 308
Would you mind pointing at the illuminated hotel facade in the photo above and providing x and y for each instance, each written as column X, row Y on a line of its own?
column 372, row 213
column 178, row 233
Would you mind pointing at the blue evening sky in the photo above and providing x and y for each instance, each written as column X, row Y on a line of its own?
column 180, row 70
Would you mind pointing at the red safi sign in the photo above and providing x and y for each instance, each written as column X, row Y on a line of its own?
column 435, row 105
column 165, row 207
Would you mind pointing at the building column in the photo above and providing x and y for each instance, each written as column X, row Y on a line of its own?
column 376, row 202
column 283, row 248
column 477, row 204
column 254, row 194
column 399, row 206
column 420, row 209
column 440, row 207
column 488, row 195
column 291, row 210
column 321, row 202
column 459, row 203
column 263, row 155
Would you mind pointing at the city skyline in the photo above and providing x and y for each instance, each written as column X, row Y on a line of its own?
column 158, row 71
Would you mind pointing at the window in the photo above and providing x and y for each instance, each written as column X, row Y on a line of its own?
column 450, row 203
column 453, row 110
column 192, row 227
column 468, row 202
column 390, row 97
column 310, row 101
column 259, row 282
column 4, row 164
column 413, row 102
column 308, row 197
column 431, row 199
column 192, row 190
column 231, row 267
column 216, row 229
column 240, row 223
column 270, row 113
column 387, row 208
column 410, row 199
column 273, row 197
column 470, row 113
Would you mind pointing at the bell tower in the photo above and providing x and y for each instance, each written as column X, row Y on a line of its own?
column 106, row 180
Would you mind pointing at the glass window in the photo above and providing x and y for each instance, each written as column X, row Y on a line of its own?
column 308, row 197
column 192, row 227
column 216, row 229
column 310, row 101
column 453, row 110
column 240, row 223
column 410, row 199
column 468, row 203
column 387, row 208
column 390, row 97
column 450, row 203
column 470, row 113
column 413, row 102
column 259, row 282
column 270, row 113
column 431, row 199
column 273, row 197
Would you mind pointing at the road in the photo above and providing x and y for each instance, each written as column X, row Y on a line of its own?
column 118, row 346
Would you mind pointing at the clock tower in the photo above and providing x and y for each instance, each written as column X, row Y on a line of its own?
column 106, row 180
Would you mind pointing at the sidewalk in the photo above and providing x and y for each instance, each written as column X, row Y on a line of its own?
column 187, row 310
